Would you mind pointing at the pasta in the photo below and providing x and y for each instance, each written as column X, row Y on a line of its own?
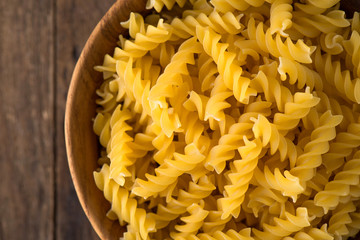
column 232, row 119
column 340, row 186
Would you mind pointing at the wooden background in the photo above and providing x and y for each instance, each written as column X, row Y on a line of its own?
column 40, row 41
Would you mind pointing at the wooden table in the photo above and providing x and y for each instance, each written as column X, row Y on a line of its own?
column 40, row 41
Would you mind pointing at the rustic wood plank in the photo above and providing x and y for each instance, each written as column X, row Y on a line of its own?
column 75, row 20
column 26, row 119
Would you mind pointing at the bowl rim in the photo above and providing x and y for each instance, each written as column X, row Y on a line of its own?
column 74, row 83
column 107, row 30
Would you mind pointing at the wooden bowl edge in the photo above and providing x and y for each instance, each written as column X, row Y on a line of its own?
column 107, row 30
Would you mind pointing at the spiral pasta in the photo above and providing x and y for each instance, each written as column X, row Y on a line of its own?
column 339, row 219
column 164, row 116
column 102, row 128
column 262, row 197
column 193, row 222
column 168, row 172
column 348, row 88
column 342, row 147
column 227, row 23
column 280, row 17
column 319, row 144
column 232, row 119
column 176, row 207
column 240, row 178
column 352, row 47
column 224, row 60
column 231, row 5
column 158, row 4
column 143, row 42
column 312, row 234
column 340, row 186
column 270, row 135
column 276, row 47
column 123, row 207
column 228, row 143
column 319, row 23
column 119, row 148
column 284, row 227
column 300, row 74
column 213, row 222
column 353, row 226
column 107, row 99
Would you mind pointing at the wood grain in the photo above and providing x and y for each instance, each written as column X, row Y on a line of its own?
column 26, row 119
column 40, row 43
column 75, row 20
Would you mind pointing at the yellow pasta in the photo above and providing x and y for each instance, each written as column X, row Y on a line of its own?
column 232, row 119
column 280, row 16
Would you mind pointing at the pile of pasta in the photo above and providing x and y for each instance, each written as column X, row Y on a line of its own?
column 233, row 119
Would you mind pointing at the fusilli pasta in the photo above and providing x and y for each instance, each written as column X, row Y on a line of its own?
column 232, row 119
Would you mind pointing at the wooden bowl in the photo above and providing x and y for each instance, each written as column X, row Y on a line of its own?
column 81, row 142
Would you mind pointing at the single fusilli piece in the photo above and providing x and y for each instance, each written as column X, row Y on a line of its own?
column 107, row 100
column 272, row 88
column 231, row 5
column 294, row 72
column 280, row 16
column 331, row 43
column 285, row 182
column 213, row 222
column 284, row 227
column 224, row 59
column 261, row 197
column 353, row 227
column 337, row 108
column 318, row 144
column 159, row 4
column 118, row 148
column 193, row 221
column 135, row 24
column 276, row 47
column 143, row 42
column 175, row 207
column 161, row 112
column 342, row 80
column 228, row 143
column 244, row 234
column 342, row 147
column 352, row 47
column 340, row 218
column 102, row 128
column 123, row 207
column 227, row 23
column 294, row 111
column 312, row 234
column 313, row 25
column 340, row 186
column 168, row 172
column 270, row 135
column 240, row 177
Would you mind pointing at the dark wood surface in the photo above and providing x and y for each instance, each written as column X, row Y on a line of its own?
column 40, row 42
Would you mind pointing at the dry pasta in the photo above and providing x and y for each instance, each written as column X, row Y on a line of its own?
column 233, row 119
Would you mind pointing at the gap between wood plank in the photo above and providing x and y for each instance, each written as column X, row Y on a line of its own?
column 54, row 24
